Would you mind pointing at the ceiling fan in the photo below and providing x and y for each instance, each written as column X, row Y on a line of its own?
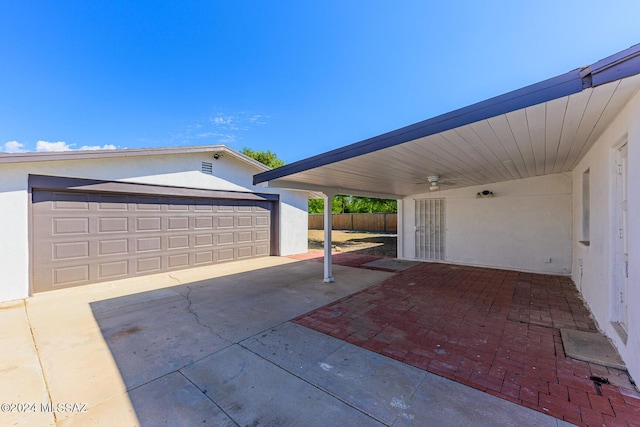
column 435, row 182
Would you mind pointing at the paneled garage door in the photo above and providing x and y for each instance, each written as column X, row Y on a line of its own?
column 81, row 238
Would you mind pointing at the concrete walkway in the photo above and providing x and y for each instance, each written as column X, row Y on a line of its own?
column 214, row 345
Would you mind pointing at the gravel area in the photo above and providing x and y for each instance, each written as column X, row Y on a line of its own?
column 362, row 242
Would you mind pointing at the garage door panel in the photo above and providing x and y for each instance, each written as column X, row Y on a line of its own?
column 146, row 244
column 110, row 270
column 225, row 222
column 203, row 222
column 112, row 203
column 260, row 221
column 149, row 224
column 261, row 250
column 178, row 242
column 70, row 226
column 177, row 205
column 178, row 261
column 70, row 250
column 149, row 265
column 64, row 276
column 225, row 238
column 204, row 257
column 203, row 206
column 226, row 254
column 244, row 236
column 261, row 236
column 245, row 252
column 178, row 223
column 113, row 247
column 244, row 221
column 64, row 201
column 148, row 204
column 204, row 240
column 113, row 225
column 83, row 238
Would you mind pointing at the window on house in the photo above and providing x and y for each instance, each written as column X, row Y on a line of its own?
column 586, row 211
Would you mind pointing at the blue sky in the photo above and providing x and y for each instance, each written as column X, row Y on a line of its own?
column 295, row 77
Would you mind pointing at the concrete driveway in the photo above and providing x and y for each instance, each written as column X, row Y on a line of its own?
column 214, row 346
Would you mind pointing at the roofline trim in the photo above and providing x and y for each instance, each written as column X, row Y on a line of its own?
column 614, row 67
column 104, row 154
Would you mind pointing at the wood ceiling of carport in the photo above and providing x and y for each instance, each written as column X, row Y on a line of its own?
column 547, row 138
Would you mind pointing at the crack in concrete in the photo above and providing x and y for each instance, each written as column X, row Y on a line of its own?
column 190, row 309
column 37, row 349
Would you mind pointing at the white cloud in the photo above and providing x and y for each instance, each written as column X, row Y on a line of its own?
column 223, row 127
column 207, row 135
column 219, row 120
column 48, row 146
column 227, row 122
column 227, row 138
column 42, row 146
column 258, row 119
column 13, row 147
column 97, row 147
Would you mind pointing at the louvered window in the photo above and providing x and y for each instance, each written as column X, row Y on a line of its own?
column 207, row 167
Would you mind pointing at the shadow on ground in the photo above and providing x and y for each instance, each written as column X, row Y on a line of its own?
column 175, row 348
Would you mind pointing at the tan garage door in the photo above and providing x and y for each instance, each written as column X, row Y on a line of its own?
column 81, row 238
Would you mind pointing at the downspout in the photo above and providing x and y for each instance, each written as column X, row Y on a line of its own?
column 328, row 225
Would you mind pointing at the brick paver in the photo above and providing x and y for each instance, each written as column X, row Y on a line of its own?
column 494, row 330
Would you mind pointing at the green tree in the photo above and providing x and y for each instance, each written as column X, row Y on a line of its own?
column 316, row 206
column 372, row 205
column 353, row 204
column 265, row 157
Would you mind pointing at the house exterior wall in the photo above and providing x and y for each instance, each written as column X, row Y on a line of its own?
column 596, row 278
column 169, row 170
column 528, row 222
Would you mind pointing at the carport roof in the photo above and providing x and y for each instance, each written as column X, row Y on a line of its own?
column 540, row 129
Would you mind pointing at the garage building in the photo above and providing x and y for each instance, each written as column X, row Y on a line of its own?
column 80, row 217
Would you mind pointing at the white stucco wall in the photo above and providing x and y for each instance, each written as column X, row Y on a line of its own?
column 596, row 277
column 526, row 223
column 14, row 236
column 183, row 170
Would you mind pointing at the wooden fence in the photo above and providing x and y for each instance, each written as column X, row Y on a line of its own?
column 380, row 222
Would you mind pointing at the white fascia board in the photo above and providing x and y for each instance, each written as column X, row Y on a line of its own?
column 104, row 154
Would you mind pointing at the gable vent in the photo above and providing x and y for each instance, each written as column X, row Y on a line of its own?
column 207, row 167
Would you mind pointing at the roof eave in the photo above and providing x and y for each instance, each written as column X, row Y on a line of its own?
column 614, row 67
column 617, row 66
column 563, row 85
column 105, row 154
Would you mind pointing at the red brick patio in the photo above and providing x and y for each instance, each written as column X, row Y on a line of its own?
column 495, row 330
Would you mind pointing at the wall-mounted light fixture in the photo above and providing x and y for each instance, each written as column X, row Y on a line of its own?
column 485, row 193
column 217, row 156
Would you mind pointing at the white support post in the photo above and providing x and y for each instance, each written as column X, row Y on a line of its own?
column 400, row 231
column 328, row 225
